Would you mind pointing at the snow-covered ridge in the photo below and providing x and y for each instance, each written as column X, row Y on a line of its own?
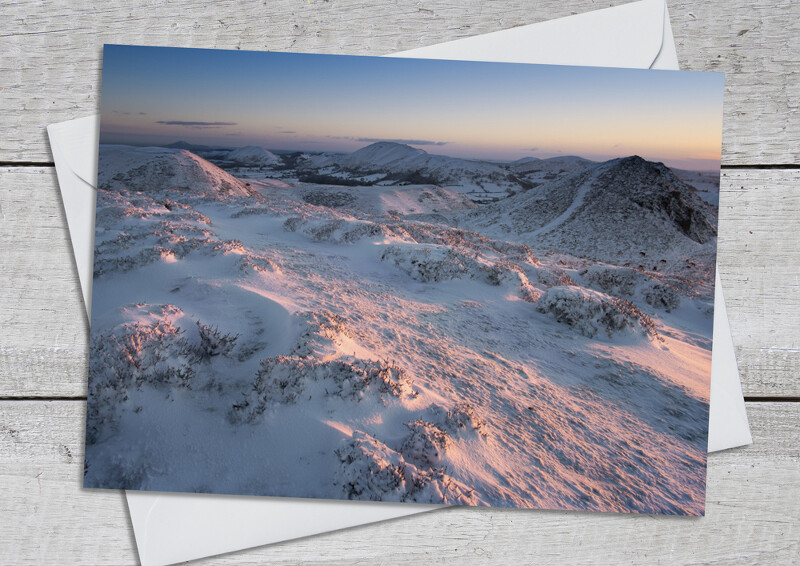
column 628, row 211
column 148, row 169
column 396, row 163
column 550, row 165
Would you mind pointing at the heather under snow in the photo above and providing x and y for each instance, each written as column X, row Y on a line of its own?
column 394, row 325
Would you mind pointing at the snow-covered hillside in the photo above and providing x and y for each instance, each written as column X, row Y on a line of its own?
column 706, row 183
column 252, row 156
column 383, row 156
column 398, row 343
column 396, row 163
column 156, row 169
column 551, row 165
column 627, row 211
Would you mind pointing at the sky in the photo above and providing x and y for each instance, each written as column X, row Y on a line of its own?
column 504, row 111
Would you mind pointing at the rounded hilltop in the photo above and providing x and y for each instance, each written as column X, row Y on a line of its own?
column 151, row 169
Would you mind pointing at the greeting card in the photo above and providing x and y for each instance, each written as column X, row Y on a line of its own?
column 403, row 280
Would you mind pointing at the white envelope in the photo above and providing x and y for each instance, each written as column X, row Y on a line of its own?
column 171, row 528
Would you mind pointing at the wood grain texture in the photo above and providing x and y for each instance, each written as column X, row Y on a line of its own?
column 759, row 260
column 43, row 350
column 751, row 517
column 44, row 327
column 50, row 51
column 49, row 71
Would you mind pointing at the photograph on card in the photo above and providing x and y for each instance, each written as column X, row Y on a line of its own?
column 423, row 281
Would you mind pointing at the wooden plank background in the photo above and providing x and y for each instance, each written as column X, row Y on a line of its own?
column 49, row 72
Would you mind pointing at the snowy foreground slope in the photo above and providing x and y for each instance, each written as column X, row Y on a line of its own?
column 400, row 343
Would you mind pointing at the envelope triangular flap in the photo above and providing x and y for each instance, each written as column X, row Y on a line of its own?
column 74, row 147
column 78, row 140
column 162, row 540
column 629, row 35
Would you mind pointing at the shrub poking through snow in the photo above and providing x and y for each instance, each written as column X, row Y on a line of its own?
column 435, row 263
column 658, row 291
column 661, row 296
column 338, row 230
column 529, row 293
column 371, row 471
column 283, row 379
column 463, row 418
column 620, row 281
column 323, row 330
column 426, row 443
column 251, row 263
column 459, row 422
column 156, row 354
column 213, row 342
column 149, row 230
column 553, row 277
column 590, row 312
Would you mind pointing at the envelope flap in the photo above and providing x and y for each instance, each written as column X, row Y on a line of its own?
column 74, row 146
column 78, row 140
column 624, row 36
column 174, row 527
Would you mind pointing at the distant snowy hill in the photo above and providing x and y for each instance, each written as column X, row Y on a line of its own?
column 626, row 211
column 383, row 155
column 253, row 156
column 525, row 161
column 561, row 164
column 398, row 163
column 149, row 169
column 181, row 144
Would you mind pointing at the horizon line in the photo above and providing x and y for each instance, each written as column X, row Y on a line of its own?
column 486, row 159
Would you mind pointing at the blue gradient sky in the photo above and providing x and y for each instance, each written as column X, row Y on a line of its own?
column 158, row 95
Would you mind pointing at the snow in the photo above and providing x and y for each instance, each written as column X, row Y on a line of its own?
column 706, row 183
column 640, row 214
column 152, row 169
column 381, row 155
column 374, row 200
column 403, row 164
column 253, row 156
column 525, row 161
column 591, row 312
column 400, row 343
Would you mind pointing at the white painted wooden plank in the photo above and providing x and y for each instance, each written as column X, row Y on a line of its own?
column 50, row 51
column 759, row 259
column 752, row 512
column 757, row 45
column 43, row 326
column 44, row 329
